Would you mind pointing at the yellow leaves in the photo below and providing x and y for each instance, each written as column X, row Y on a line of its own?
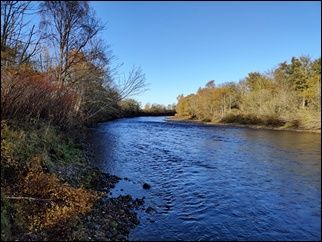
column 7, row 146
column 66, row 202
column 6, row 149
column 40, row 200
column 35, row 164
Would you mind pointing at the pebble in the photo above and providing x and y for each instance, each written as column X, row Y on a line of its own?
column 146, row 186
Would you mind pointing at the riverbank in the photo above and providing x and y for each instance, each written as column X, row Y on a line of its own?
column 50, row 190
column 180, row 119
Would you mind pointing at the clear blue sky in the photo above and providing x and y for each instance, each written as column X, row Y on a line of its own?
column 182, row 45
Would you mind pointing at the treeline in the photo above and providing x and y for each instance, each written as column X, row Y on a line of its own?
column 288, row 96
column 132, row 108
column 59, row 69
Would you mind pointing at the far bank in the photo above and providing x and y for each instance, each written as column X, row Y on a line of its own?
column 252, row 126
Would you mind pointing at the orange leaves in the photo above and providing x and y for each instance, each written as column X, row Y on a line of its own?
column 40, row 200
column 66, row 202
column 31, row 95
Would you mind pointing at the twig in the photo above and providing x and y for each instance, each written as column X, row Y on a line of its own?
column 31, row 198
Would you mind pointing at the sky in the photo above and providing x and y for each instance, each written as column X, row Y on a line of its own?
column 182, row 45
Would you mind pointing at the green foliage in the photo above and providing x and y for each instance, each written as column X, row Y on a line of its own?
column 5, row 219
column 31, row 155
column 129, row 106
column 158, row 109
column 256, row 81
column 289, row 96
column 24, row 141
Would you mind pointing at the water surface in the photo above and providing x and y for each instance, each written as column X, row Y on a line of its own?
column 215, row 183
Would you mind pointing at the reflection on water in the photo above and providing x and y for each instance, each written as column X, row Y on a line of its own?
column 212, row 182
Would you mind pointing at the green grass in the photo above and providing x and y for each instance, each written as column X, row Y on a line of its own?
column 26, row 141
column 20, row 143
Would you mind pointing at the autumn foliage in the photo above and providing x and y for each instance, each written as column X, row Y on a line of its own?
column 35, row 198
column 62, row 201
column 54, row 82
column 26, row 94
column 288, row 96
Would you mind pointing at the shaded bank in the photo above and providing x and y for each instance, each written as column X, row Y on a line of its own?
column 150, row 114
column 50, row 189
column 241, row 125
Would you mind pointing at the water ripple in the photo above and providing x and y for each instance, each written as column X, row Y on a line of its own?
column 215, row 183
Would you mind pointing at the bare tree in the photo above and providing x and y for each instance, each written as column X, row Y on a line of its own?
column 19, row 39
column 133, row 84
column 72, row 27
column 211, row 84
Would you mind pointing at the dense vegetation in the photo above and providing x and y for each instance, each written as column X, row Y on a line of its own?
column 52, row 73
column 132, row 108
column 56, row 79
column 288, row 96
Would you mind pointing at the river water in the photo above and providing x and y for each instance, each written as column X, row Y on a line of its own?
column 214, row 183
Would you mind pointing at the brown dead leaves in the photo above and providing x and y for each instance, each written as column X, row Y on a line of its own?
column 66, row 202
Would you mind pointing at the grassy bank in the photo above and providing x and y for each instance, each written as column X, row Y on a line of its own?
column 50, row 191
column 243, row 123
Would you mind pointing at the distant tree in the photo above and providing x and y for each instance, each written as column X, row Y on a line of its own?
column 313, row 92
column 299, row 76
column 130, row 106
column 256, row 81
column 291, row 94
column 210, row 84
column 147, row 106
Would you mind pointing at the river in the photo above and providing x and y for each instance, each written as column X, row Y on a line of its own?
column 214, row 183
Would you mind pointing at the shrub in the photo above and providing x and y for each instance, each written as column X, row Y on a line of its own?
column 273, row 120
column 34, row 200
column 28, row 95
column 242, row 119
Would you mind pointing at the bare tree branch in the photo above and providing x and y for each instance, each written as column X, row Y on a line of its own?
column 133, row 85
column 18, row 42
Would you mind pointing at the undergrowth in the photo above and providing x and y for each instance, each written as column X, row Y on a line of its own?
column 34, row 197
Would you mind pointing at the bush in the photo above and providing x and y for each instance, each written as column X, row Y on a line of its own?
column 241, row 119
column 32, row 198
column 28, row 95
column 273, row 120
